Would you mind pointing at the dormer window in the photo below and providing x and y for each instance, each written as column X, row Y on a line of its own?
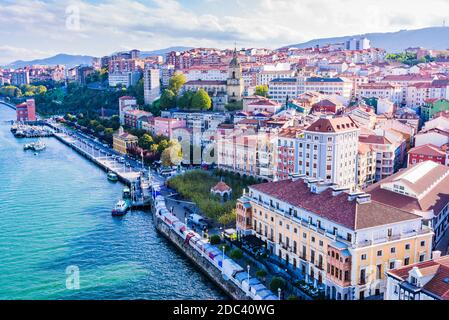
column 413, row 281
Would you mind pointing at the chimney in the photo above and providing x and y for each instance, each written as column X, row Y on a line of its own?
column 363, row 198
column 436, row 255
column 296, row 177
column 352, row 196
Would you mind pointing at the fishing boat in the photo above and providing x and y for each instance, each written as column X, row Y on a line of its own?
column 39, row 145
column 126, row 193
column 112, row 176
column 120, row 209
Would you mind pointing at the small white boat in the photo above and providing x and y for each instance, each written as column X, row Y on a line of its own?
column 120, row 209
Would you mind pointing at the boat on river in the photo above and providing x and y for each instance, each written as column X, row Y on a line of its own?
column 120, row 209
column 112, row 176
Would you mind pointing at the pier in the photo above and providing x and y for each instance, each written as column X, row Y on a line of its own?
column 103, row 158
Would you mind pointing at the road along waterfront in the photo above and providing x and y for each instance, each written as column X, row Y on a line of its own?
column 56, row 218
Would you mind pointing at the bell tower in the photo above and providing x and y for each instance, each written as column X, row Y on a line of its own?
column 235, row 84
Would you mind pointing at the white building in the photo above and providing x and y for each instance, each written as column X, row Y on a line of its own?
column 151, row 84
column 328, row 151
column 126, row 103
column 126, row 78
column 358, row 44
column 427, row 280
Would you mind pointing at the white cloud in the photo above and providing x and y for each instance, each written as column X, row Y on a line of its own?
column 110, row 25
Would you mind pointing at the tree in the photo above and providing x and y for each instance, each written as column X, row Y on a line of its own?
column 236, row 254
column 185, row 100
column 228, row 218
column 215, row 239
column 146, row 141
column 201, row 100
column 262, row 90
column 172, row 154
column 176, row 82
column 277, row 283
column 168, row 99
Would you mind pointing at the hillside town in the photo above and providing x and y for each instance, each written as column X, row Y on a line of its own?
column 346, row 146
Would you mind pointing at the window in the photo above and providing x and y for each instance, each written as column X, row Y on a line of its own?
column 379, row 253
column 422, row 257
column 423, row 243
column 407, row 247
column 406, row 261
column 363, row 257
column 393, row 250
column 392, row 265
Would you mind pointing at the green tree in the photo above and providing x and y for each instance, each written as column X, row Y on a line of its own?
column 262, row 90
column 215, row 239
column 185, row 100
column 176, row 82
column 146, row 141
column 201, row 100
column 168, row 99
column 277, row 283
column 228, row 218
column 236, row 254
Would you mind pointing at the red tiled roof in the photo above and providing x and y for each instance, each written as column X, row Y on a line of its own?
column 221, row 187
column 439, row 268
column 333, row 125
column 429, row 150
column 335, row 208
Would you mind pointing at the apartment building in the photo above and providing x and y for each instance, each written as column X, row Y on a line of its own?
column 428, row 280
column 341, row 242
column 328, row 149
column 151, row 84
column 282, row 88
column 380, row 91
column 420, row 189
column 387, row 154
column 366, row 166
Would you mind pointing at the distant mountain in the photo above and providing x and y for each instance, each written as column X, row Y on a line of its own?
column 430, row 38
column 162, row 52
column 65, row 59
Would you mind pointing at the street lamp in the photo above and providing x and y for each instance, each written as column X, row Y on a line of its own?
column 222, row 261
column 248, row 267
column 279, row 293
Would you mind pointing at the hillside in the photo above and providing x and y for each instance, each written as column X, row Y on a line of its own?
column 65, row 59
column 431, row 38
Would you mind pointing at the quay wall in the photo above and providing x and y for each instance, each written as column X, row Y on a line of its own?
column 90, row 158
column 202, row 263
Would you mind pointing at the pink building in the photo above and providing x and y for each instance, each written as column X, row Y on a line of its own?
column 165, row 126
column 26, row 111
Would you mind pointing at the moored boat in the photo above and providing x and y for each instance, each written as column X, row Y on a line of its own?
column 39, row 145
column 126, row 193
column 120, row 209
column 112, row 176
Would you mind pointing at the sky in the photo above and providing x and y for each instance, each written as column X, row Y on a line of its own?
column 41, row 28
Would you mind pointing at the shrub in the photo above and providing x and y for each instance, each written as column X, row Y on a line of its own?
column 215, row 239
column 292, row 297
column 261, row 273
column 236, row 254
column 277, row 283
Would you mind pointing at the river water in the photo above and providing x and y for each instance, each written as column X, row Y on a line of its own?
column 55, row 221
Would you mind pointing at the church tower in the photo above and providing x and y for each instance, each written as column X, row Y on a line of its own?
column 235, row 84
